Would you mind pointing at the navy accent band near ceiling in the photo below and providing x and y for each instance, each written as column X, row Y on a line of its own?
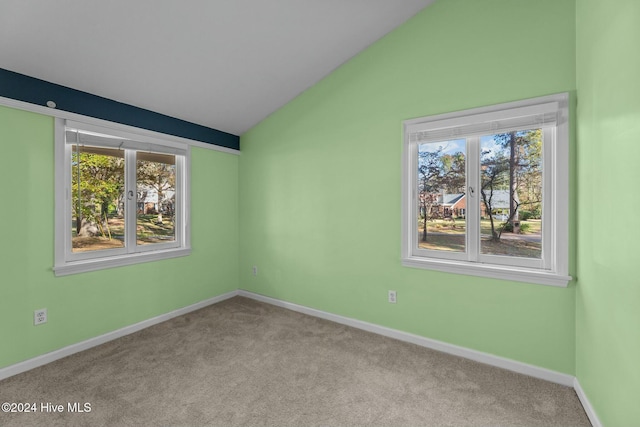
column 35, row 91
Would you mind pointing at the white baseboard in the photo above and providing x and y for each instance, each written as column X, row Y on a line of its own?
column 591, row 413
column 29, row 364
column 478, row 356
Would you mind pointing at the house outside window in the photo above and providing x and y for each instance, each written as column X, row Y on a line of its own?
column 485, row 191
column 121, row 198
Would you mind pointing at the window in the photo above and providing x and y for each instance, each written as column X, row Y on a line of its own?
column 121, row 198
column 485, row 191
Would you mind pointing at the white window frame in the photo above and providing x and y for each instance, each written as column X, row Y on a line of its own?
column 551, row 113
column 123, row 137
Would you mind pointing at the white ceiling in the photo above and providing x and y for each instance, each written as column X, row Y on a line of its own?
column 225, row 64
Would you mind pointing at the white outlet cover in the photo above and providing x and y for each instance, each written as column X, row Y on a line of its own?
column 392, row 297
column 40, row 316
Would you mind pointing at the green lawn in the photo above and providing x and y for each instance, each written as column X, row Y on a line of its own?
column 460, row 225
column 450, row 236
column 148, row 231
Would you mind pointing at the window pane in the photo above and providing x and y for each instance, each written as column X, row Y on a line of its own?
column 156, row 188
column 97, row 207
column 511, row 194
column 441, row 196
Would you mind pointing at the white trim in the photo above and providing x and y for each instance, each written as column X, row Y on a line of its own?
column 478, row 356
column 62, row 245
column 94, row 264
column 33, row 363
column 473, row 198
column 480, row 121
column 100, row 136
column 517, row 274
column 490, row 109
column 561, row 165
column 66, row 261
column 553, row 267
column 34, row 108
column 408, row 220
column 590, row 411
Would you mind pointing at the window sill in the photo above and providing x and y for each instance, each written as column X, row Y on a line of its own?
column 74, row 267
column 517, row 274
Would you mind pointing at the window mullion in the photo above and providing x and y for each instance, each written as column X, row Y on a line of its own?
column 548, row 200
column 131, row 200
column 180, row 191
column 473, row 201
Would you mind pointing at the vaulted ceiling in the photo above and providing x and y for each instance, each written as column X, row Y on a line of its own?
column 224, row 64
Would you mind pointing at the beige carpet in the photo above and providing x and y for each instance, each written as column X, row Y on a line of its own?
column 245, row 363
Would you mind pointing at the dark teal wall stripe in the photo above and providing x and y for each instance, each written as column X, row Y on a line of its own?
column 36, row 91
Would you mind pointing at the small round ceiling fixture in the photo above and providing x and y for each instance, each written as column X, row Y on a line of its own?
column 51, row 104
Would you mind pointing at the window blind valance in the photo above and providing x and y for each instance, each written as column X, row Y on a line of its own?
column 104, row 137
column 530, row 117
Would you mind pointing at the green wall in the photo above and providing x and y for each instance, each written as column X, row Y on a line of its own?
column 315, row 198
column 320, row 180
column 608, row 297
column 85, row 305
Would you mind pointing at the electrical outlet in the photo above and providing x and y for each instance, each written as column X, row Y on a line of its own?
column 40, row 316
column 392, row 297
column 255, row 270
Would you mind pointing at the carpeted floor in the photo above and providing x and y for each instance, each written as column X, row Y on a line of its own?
column 246, row 363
